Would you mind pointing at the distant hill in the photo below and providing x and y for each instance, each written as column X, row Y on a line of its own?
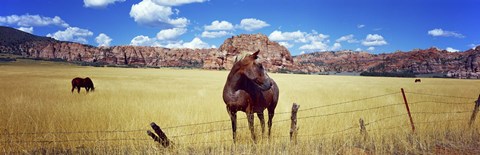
column 11, row 37
column 278, row 59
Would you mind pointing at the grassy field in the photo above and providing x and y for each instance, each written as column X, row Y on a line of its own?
column 39, row 114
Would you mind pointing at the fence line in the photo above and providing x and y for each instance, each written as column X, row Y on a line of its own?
column 440, row 102
column 76, row 132
column 385, row 118
column 351, row 111
column 279, row 113
column 184, row 125
column 345, row 102
column 436, row 113
column 78, row 140
column 427, row 94
column 318, row 134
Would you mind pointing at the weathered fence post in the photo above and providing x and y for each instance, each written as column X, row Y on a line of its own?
column 161, row 138
column 408, row 110
column 293, row 127
column 475, row 111
column 363, row 130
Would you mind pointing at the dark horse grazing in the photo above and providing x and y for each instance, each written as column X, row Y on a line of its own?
column 80, row 82
column 418, row 80
column 251, row 90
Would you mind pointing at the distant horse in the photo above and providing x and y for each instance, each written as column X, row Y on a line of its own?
column 80, row 82
column 418, row 80
column 251, row 90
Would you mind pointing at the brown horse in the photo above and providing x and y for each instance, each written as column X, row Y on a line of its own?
column 80, row 82
column 251, row 90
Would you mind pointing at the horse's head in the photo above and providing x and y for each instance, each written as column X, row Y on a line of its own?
column 89, row 83
column 254, row 71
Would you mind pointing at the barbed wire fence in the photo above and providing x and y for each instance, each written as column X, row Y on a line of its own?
column 337, row 131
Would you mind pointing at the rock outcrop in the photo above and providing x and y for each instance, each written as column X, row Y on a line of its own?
column 276, row 58
column 433, row 60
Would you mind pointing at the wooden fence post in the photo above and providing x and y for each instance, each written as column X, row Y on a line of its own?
column 293, row 127
column 363, row 130
column 475, row 111
column 408, row 110
column 161, row 138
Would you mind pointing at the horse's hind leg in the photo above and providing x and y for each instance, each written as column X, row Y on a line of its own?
column 78, row 90
column 233, row 118
column 262, row 121
column 271, row 113
column 73, row 88
column 250, row 117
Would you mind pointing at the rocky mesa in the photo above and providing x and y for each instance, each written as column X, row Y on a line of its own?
column 276, row 58
column 30, row 46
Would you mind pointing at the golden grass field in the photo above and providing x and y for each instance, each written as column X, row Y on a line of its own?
column 39, row 114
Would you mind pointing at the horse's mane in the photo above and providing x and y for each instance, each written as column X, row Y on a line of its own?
column 241, row 56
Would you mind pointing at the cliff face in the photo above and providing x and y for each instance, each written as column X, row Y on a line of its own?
column 274, row 55
column 276, row 58
column 454, row 64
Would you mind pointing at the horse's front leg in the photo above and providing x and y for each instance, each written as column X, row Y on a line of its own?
column 87, row 88
column 262, row 121
column 233, row 118
column 250, row 117
column 78, row 89
column 271, row 113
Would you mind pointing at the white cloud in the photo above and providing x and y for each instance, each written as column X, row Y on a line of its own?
column 444, row 33
column 74, row 34
column 371, row 48
column 286, row 44
column 473, row 46
column 303, row 52
column 195, row 43
column 286, row 36
column 26, row 29
column 142, row 40
column 450, row 49
column 358, row 49
column 348, row 38
column 360, row 26
column 215, row 34
column 103, row 40
column 336, row 46
column 99, row 3
column 313, row 41
column 176, row 2
column 315, row 45
column 374, row 40
column 148, row 13
column 252, row 24
column 32, row 20
column 219, row 25
column 169, row 34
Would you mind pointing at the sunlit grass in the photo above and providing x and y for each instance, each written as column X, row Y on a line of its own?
column 35, row 98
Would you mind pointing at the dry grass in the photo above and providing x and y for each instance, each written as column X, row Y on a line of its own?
column 39, row 114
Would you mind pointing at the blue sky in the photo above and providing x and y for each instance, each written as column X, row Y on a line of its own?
column 303, row 26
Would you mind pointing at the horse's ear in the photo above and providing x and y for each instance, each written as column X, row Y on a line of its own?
column 255, row 55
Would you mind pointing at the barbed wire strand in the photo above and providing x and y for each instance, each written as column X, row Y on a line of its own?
column 345, row 102
column 427, row 94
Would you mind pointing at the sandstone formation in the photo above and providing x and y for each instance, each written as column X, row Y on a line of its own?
column 432, row 60
column 275, row 57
